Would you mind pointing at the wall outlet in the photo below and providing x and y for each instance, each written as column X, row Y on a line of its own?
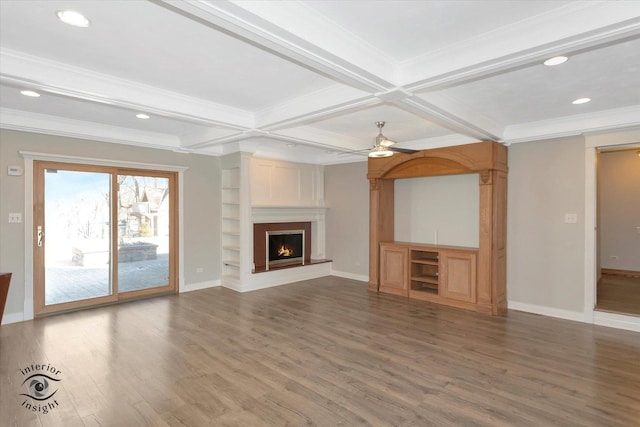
column 614, row 257
column 570, row 218
column 15, row 218
column 199, row 270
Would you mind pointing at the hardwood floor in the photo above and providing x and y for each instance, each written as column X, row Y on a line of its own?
column 320, row 352
column 619, row 294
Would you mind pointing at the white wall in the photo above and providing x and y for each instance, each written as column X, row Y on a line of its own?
column 619, row 210
column 201, row 214
column 280, row 183
column 446, row 205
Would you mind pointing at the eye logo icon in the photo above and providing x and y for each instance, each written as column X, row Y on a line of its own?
column 39, row 387
column 40, row 380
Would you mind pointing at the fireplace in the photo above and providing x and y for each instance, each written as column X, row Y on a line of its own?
column 284, row 247
column 281, row 245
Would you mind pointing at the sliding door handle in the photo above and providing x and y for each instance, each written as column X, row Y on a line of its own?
column 40, row 236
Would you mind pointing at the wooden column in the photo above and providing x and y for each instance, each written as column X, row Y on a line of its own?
column 381, row 198
column 491, row 292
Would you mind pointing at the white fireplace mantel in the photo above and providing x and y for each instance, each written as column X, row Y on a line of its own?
column 262, row 213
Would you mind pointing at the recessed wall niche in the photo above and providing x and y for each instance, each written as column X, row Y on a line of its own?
column 438, row 210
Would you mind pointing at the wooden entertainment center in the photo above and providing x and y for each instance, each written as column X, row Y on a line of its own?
column 470, row 278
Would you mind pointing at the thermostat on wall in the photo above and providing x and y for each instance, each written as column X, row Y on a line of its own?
column 14, row 170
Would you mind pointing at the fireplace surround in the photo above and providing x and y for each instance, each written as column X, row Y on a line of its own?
column 263, row 257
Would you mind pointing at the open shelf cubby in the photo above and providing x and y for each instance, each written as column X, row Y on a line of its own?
column 424, row 271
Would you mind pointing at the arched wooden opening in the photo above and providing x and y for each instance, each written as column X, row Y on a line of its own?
column 489, row 161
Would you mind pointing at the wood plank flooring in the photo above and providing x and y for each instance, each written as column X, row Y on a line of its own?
column 321, row 352
column 619, row 294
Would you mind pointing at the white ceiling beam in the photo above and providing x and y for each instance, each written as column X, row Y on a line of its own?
column 267, row 29
column 600, row 121
column 321, row 104
column 320, row 138
column 19, row 69
column 447, row 119
column 570, row 28
column 227, row 139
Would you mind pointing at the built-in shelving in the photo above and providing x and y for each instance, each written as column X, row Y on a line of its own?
column 424, row 271
column 230, row 193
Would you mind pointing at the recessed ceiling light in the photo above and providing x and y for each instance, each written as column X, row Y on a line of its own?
column 556, row 60
column 291, row 145
column 30, row 93
column 74, row 18
column 581, row 101
column 143, row 116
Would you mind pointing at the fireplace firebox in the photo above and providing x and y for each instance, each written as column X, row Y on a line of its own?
column 285, row 247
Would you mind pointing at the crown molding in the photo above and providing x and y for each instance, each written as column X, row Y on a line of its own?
column 565, row 30
column 60, row 126
column 19, row 69
column 600, row 121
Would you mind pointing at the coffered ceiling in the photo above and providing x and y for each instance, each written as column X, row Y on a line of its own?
column 307, row 80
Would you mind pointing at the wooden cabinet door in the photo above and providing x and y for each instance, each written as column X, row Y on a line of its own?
column 393, row 269
column 458, row 275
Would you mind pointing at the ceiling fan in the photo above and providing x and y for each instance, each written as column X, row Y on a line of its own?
column 384, row 147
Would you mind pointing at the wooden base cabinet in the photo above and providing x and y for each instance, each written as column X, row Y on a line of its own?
column 458, row 275
column 393, row 269
column 440, row 274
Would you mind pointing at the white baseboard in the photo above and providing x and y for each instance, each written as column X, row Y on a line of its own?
column 273, row 278
column 614, row 320
column 12, row 318
column 200, row 285
column 546, row 311
column 359, row 277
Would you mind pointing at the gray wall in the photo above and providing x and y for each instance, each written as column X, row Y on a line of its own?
column 446, row 205
column 545, row 256
column 201, row 215
column 545, row 264
column 619, row 210
column 346, row 192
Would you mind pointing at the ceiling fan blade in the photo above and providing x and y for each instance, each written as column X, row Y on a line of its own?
column 402, row 150
column 364, row 151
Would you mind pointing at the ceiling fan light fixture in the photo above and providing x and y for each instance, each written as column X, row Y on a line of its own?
column 380, row 151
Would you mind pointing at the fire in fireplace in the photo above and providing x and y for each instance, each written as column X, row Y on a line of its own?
column 285, row 247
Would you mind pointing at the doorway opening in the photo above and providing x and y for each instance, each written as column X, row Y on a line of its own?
column 618, row 230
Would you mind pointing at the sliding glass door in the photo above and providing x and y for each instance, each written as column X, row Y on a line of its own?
column 101, row 235
column 144, row 218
